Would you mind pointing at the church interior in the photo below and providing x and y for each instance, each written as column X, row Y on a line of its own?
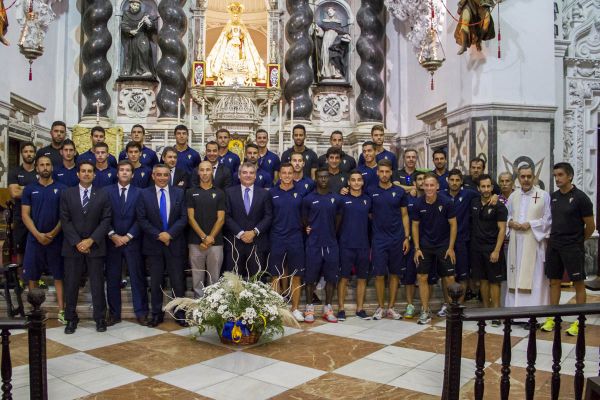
column 513, row 83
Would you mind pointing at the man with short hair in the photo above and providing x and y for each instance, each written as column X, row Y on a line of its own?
column 162, row 217
column 206, row 206
column 125, row 244
column 58, row 133
column 347, row 163
column 434, row 233
column 441, row 167
column 227, row 157
column 248, row 220
column 338, row 179
column 507, row 186
column 368, row 170
column 267, row 160
column 354, row 244
column 301, row 181
column 105, row 174
column 572, row 224
column 488, row 230
column 18, row 179
column 222, row 176
column 187, row 158
column 320, row 211
column 405, row 177
column 529, row 220
column 98, row 135
column 476, row 168
column 287, row 241
column 148, row 156
column 141, row 172
column 309, row 156
column 66, row 172
column 390, row 238
column 263, row 179
column 378, row 137
column 41, row 217
column 85, row 215
column 178, row 176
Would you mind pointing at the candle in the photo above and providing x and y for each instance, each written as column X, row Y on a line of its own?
column 178, row 111
column 202, row 119
column 280, row 127
column 292, row 121
column 190, row 113
column 269, row 119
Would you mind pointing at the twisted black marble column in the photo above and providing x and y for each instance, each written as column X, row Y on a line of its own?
column 296, row 58
column 370, row 49
column 174, row 53
column 93, row 54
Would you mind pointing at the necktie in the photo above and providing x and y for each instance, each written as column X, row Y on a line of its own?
column 247, row 200
column 122, row 198
column 163, row 210
column 172, row 176
column 85, row 200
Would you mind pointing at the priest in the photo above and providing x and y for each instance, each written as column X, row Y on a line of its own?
column 529, row 221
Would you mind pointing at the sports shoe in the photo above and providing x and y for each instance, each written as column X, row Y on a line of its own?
column 393, row 314
column 362, row 314
column 548, row 325
column 61, row 317
column 573, row 329
column 496, row 323
column 443, row 311
column 424, row 318
column 341, row 315
column 410, row 312
column 21, row 283
column 42, row 284
column 378, row 314
column 298, row 315
column 328, row 314
column 309, row 314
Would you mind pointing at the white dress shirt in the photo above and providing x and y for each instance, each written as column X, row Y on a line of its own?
column 81, row 192
column 251, row 196
column 158, row 194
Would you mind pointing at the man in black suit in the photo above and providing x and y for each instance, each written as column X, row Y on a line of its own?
column 162, row 216
column 85, row 214
column 248, row 220
column 125, row 244
column 178, row 176
column 221, row 174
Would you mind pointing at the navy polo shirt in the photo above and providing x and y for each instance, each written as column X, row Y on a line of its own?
column 411, row 201
column 45, row 204
column 347, row 163
column 148, row 157
column 20, row 176
column 105, row 177
column 187, row 159
column 337, row 182
column 231, row 161
column 51, row 152
column 434, row 228
column 269, row 163
column 320, row 211
column 462, row 210
column 310, row 159
column 305, row 185
column 287, row 215
column 442, row 180
column 354, row 229
column 141, row 176
column 91, row 157
column 404, row 177
column 369, row 177
column 384, row 155
column 263, row 179
column 387, row 215
column 66, row 176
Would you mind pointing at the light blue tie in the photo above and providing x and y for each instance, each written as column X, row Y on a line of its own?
column 163, row 210
column 247, row 202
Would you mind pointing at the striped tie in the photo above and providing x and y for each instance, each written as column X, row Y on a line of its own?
column 85, row 200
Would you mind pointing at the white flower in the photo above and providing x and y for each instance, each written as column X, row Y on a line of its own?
column 246, row 294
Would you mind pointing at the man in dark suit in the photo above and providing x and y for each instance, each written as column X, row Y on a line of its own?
column 178, row 176
column 221, row 173
column 125, row 243
column 248, row 220
column 162, row 216
column 85, row 214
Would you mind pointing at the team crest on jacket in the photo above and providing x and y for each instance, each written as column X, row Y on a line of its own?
column 55, row 191
column 214, row 195
column 109, row 174
column 332, row 200
column 307, row 156
column 306, row 185
column 269, row 161
column 440, row 208
column 295, row 195
column 364, row 201
column 460, row 199
column 570, row 200
column 393, row 194
column 342, row 179
column 143, row 155
column 229, row 159
column 143, row 173
column 189, row 156
column 489, row 211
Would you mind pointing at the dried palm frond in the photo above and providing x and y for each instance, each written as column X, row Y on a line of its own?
column 234, row 281
column 288, row 318
column 179, row 303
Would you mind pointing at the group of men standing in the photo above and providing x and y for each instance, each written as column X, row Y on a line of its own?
column 297, row 219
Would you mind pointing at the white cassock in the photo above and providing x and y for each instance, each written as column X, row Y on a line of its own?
column 526, row 283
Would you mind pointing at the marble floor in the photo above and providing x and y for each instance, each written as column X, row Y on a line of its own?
column 354, row 359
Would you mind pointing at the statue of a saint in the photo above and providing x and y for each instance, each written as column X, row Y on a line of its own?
column 137, row 29
column 332, row 63
column 3, row 24
column 475, row 23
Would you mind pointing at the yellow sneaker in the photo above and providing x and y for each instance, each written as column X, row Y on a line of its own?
column 548, row 325
column 573, row 329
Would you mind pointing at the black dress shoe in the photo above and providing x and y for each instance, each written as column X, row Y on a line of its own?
column 101, row 325
column 155, row 321
column 142, row 320
column 112, row 320
column 71, row 326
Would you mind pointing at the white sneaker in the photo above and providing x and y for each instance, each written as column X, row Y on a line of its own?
column 393, row 314
column 444, row 311
column 424, row 318
column 309, row 314
column 298, row 315
column 378, row 314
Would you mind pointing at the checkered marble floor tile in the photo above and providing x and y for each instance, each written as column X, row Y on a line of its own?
column 354, row 359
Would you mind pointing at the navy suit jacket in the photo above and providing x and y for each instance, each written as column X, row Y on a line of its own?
column 77, row 225
column 259, row 217
column 148, row 215
column 124, row 219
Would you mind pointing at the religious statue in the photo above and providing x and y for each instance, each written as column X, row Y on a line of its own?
column 334, row 46
column 3, row 24
column 234, row 59
column 475, row 23
column 137, row 29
